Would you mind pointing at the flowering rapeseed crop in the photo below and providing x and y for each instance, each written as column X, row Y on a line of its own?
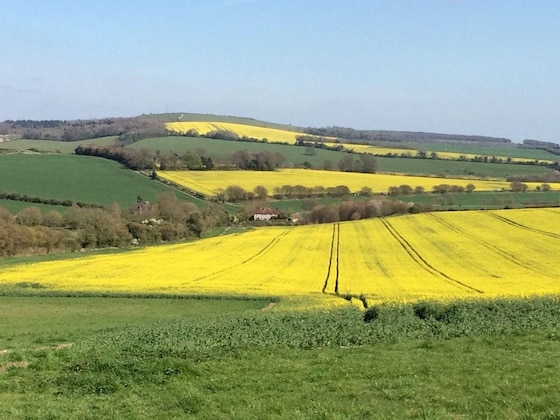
column 430, row 255
column 271, row 134
column 211, row 182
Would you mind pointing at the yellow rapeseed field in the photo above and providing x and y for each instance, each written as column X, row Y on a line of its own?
column 430, row 255
column 211, row 182
column 271, row 134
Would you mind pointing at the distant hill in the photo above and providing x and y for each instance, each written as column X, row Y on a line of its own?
column 191, row 117
column 129, row 130
column 376, row 136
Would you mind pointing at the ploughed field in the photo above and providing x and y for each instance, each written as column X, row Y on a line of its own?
column 439, row 256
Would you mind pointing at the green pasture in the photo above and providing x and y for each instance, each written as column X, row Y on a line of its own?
column 78, row 178
column 295, row 156
column 17, row 206
column 485, row 199
column 185, row 359
column 35, row 320
column 474, row 200
column 452, row 168
column 512, row 150
column 54, row 146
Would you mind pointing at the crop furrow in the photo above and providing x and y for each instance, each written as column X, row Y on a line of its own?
column 421, row 261
column 522, row 226
column 484, row 243
column 326, row 284
column 266, row 248
column 337, row 257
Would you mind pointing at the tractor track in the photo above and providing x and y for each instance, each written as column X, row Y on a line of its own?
column 335, row 241
column 265, row 249
column 486, row 244
column 522, row 226
column 425, row 265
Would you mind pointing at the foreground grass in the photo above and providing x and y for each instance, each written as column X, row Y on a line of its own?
column 479, row 359
column 34, row 320
column 459, row 378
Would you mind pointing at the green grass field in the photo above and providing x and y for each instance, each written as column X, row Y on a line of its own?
column 478, row 200
column 483, row 150
column 295, row 156
column 451, row 168
column 16, row 206
column 77, row 178
column 53, row 145
column 32, row 321
column 143, row 358
column 475, row 200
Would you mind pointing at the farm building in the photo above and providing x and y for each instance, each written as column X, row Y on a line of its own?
column 266, row 213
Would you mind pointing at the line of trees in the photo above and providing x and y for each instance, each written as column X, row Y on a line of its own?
column 49, row 201
column 358, row 209
column 259, row 161
column 369, row 136
column 166, row 219
column 128, row 130
column 235, row 193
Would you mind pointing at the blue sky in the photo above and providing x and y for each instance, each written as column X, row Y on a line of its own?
column 487, row 67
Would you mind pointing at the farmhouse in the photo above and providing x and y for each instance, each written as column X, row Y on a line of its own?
column 266, row 213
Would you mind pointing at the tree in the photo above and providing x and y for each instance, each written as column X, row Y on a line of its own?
column 517, row 186
column 365, row 192
column 368, row 163
column 328, row 165
column 234, row 193
column 192, row 161
column 261, row 192
column 470, row 188
column 52, row 219
column 545, row 187
column 405, row 189
column 30, row 216
column 324, row 214
column 347, row 163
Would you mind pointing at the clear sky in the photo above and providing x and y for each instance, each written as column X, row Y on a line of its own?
column 488, row 67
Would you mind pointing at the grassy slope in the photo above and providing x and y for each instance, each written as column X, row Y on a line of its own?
column 251, row 365
column 456, row 168
column 16, row 206
column 475, row 200
column 457, row 378
column 294, row 155
column 32, row 321
column 77, row 178
column 53, row 145
column 483, row 150
column 180, row 116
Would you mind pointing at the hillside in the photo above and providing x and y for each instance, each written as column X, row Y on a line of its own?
column 77, row 178
column 142, row 126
